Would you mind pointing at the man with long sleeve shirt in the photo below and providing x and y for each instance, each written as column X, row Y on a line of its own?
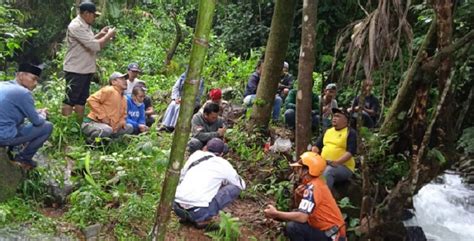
column 108, row 114
column 172, row 112
column 207, row 184
column 205, row 126
column 290, row 113
column 251, row 92
column 80, row 59
column 17, row 103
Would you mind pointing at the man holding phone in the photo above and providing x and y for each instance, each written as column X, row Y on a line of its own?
column 80, row 59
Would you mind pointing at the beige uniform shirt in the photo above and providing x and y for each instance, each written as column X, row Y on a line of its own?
column 82, row 48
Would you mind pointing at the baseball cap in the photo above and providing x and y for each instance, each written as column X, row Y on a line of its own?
column 134, row 67
column 215, row 145
column 142, row 85
column 331, row 86
column 29, row 68
column 116, row 75
column 341, row 111
column 89, row 7
column 286, row 65
column 215, row 94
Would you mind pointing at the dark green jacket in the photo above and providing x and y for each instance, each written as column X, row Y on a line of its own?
column 290, row 101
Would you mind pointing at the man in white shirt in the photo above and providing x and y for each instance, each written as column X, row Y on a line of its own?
column 207, row 184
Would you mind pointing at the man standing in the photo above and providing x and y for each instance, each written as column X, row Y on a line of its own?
column 207, row 184
column 318, row 217
column 205, row 126
column 17, row 103
column 133, row 71
column 80, row 59
column 108, row 114
column 337, row 146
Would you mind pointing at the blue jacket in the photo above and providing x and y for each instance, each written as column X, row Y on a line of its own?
column 252, row 84
column 16, row 104
column 135, row 113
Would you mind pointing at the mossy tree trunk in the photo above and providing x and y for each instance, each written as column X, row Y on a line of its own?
column 305, row 76
column 275, row 53
column 10, row 176
column 183, row 127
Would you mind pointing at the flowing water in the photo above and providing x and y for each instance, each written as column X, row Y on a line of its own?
column 445, row 209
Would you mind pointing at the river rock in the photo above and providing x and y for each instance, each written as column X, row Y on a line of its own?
column 11, row 176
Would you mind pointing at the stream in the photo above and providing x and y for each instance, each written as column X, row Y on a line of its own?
column 444, row 209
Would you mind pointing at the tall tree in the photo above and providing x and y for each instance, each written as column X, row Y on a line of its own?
column 305, row 76
column 275, row 53
column 183, row 127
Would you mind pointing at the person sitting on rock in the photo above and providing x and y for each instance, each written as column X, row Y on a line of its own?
column 328, row 101
column 149, row 111
column 290, row 113
column 251, row 92
column 370, row 112
column 136, row 110
column 172, row 112
column 208, row 183
column 338, row 145
column 215, row 96
column 318, row 217
column 205, row 126
column 17, row 104
column 108, row 110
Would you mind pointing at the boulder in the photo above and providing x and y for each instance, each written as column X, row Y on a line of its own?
column 11, row 176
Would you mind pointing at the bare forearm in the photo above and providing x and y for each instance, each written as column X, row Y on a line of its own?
column 291, row 216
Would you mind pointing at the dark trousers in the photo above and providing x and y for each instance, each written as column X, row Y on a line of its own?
column 32, row 136
column 304, row 232
column 224, row 197
column 290, row 119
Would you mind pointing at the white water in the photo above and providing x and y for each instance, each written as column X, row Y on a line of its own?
column 445, row 210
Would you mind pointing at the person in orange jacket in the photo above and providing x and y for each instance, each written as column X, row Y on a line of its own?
column 318, row 217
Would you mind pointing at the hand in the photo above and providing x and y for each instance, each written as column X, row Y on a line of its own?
column 104, row 30
column 285, row 91
column 43, row 113
column 300, row 190
column 143, row 128
column 111, row 32
column 315, row 149
column 331, row 163
column 105, row 120
column 356, row 108
column 270, row 211
column 221, row 131
column 178, row 101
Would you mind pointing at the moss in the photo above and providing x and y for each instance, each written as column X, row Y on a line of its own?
column 10, row 176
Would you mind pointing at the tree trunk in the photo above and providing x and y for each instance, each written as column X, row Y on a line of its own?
column 275, row 53
column 183, row 127
column 179, row 36
column 305, row 76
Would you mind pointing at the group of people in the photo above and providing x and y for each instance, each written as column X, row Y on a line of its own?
column 208, row 182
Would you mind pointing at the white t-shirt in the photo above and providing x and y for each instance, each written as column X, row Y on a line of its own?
column 198, row 185
column 131, row 85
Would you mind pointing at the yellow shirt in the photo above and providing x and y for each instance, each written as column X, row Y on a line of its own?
column 335, row 145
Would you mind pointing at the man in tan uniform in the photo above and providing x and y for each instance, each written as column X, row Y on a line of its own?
column 80, row 59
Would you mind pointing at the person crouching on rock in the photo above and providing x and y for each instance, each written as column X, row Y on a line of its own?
column 318, row 217
column 17, row 103
column 208, row 183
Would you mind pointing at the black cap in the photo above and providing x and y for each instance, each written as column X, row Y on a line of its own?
column 88, row 7
column 215, row 145
column 341, row 111
column 29, row 68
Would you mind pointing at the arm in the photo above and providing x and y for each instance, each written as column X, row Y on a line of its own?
column 84, row 37
column 319, row 145
column 95, row 103
column 272, row 212
column 198, row 130
column 252, row 84
column 175, row 94
column 27, row 106
column 141, row 118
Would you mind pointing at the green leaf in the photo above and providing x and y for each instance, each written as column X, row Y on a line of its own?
column 438, row 155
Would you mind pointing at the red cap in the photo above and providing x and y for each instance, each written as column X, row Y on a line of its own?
column 215, row 94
